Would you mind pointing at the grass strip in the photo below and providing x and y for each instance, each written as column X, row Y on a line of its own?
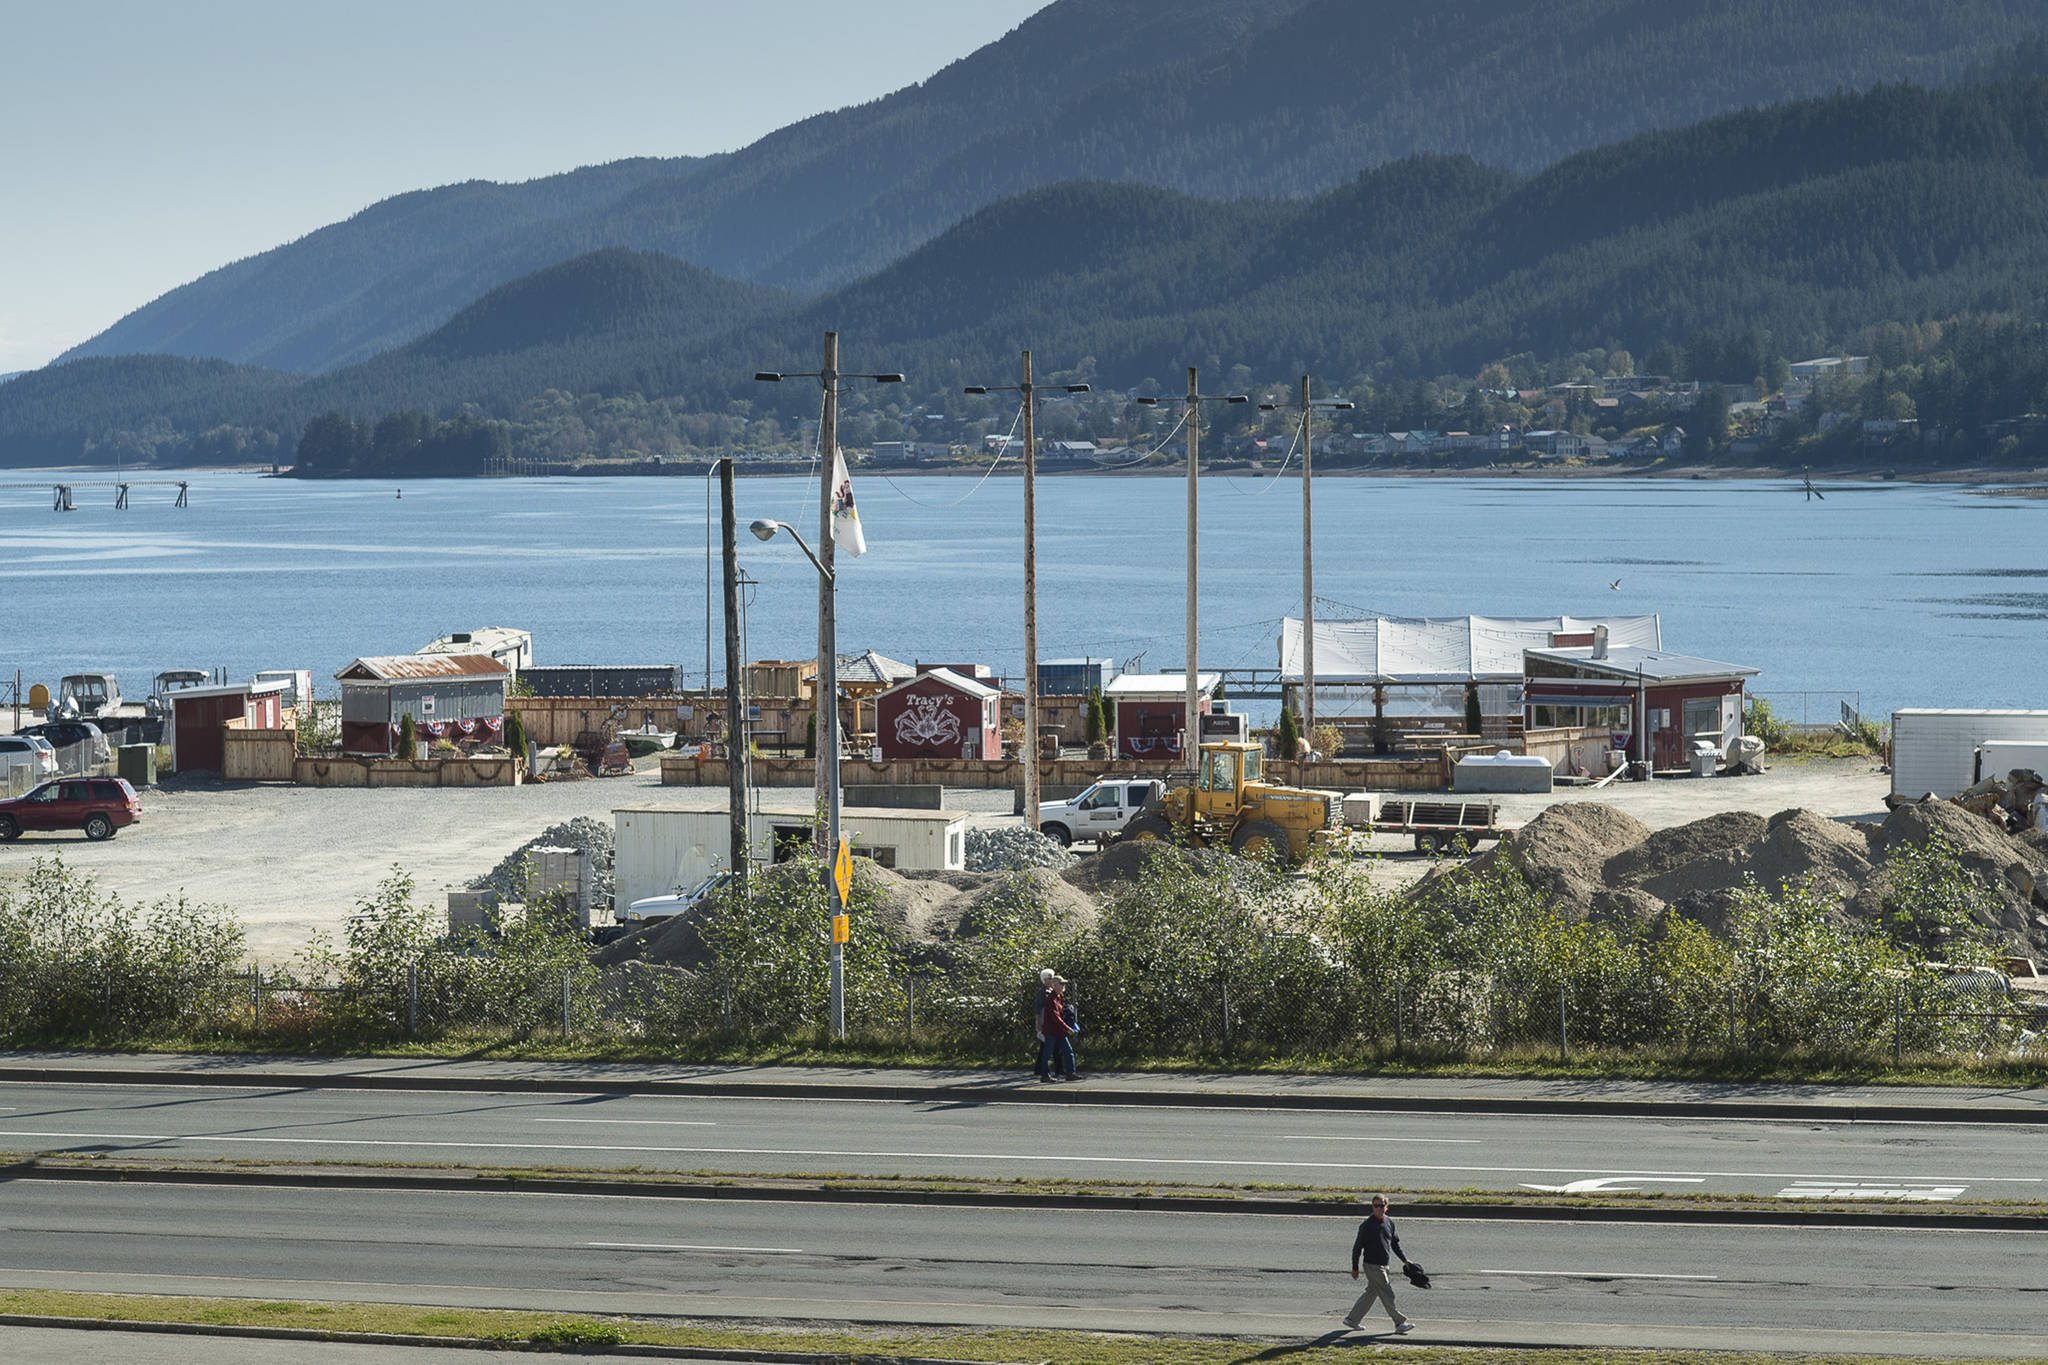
column 594, row 1332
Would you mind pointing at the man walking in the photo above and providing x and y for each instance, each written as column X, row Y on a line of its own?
column 1378, row 1245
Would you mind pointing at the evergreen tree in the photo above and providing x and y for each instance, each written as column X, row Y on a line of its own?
column 1289, row 738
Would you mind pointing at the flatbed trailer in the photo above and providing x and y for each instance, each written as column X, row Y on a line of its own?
column 1436, row 825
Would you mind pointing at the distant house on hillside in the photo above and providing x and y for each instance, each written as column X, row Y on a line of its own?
column 1554, row 445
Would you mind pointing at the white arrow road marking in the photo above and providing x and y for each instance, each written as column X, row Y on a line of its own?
column 1616, row 1184
column 678, row 1246
column 1923, row 1194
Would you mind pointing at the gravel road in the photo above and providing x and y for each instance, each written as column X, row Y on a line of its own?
column 295, row 860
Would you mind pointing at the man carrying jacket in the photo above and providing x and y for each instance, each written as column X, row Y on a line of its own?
column 1378, row 1245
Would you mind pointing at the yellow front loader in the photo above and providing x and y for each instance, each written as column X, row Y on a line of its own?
column 1228, row 804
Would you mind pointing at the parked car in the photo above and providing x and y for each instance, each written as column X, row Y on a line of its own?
column 62, row 734
column 32, row 750
column 97, row 805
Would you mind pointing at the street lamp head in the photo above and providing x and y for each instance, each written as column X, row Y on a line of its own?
column 1079, row 388
column 765, row 529
column 888, row 379
column 1269, row 407
column 975, row 388
column 1237, row 398
column 767, row 377
column 1341, row 404
column 1146, row 402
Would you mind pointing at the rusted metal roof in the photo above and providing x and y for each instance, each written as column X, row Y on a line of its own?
column 391, row 667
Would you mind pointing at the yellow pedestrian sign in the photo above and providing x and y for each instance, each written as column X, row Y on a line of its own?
column 842, row 872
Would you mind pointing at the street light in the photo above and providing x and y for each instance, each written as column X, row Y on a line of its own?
column 1030, row 392
column 826, row 785
column 764, row 529
column 1307, row 407
column 1191, row 730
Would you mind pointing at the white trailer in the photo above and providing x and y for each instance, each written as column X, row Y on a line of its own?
column 1935, row 751
column 664, row 849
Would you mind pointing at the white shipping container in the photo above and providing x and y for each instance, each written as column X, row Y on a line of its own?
column 659, row 850
column 1935, row 751
column 2001, row 756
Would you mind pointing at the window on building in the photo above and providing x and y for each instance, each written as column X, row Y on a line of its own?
column 881, row 854
column 1584, row 717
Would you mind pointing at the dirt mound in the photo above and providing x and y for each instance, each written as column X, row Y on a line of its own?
column 1796, row 848
column 1561, row 852
column 1124, row 862
column 1038, row 888
column 1672, row 848
column 2012, row 871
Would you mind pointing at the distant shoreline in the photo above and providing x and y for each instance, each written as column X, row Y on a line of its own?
column 2031, row 483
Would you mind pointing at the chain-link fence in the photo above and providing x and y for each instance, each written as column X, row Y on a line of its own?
column 1456, row 1014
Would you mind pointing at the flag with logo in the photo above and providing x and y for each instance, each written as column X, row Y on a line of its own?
column 846, row 532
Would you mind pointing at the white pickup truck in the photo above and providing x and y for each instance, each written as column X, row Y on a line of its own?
column 1098, row 814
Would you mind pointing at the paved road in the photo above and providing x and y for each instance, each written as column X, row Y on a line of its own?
column 1777, row 1288
column 1792, row 1159
column 63, row 1346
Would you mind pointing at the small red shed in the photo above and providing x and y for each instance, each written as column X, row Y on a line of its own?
column 939, row 714
column 1659, row 702
column 1150, row 711
column 198, row 713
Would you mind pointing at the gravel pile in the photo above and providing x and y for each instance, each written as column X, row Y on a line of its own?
column 508, row 878
column 1013, row 850
column 1598, row 863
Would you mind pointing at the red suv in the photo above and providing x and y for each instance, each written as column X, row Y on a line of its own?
column 97, row 805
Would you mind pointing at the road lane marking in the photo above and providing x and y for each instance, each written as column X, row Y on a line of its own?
column 1005, row 1156
column 1909, row 1191
column 1405, row 1141
column 1599, row 1274
column 679, row 1246
column 643, row 1123
column 1612, row 1184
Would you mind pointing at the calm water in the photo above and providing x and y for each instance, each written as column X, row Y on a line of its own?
column 1910, row 595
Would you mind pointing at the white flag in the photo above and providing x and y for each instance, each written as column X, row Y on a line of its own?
column 846, row 532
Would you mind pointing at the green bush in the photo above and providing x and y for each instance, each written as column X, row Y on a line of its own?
column 1288, row 736
column 408, row 747
column 78, row 964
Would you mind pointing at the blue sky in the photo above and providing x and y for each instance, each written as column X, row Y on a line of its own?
column 143, row 144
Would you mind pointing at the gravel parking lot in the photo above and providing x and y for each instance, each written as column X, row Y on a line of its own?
column 295, row 860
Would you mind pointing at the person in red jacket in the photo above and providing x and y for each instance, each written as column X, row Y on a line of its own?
column 1057, row 1022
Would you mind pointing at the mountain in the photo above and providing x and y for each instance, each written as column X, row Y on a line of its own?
column 382, row 277
column 1789, row 229
column 1219, row 98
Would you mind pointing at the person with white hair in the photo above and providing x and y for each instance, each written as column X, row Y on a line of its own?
column 1046, row 976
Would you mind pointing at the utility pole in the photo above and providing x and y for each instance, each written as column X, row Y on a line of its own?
column 1308, row 554
column 826, row 785
column 1030, row 392
column 738, row 750
column 1191, row 728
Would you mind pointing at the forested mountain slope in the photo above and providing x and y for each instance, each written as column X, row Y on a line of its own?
column 381, row 277
column 1221, row 98
column 1805, row 222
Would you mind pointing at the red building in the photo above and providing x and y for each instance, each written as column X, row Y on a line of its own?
column 1149, row 711
column 1656, row 703
column 198, row 713
column 939, row 714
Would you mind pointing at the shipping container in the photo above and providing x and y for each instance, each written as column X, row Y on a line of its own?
column 662, row 849
column 1934, row 751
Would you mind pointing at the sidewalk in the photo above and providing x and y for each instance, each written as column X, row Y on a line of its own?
column 1947, row 1104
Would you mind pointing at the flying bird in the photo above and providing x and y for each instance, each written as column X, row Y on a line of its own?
column 1616, row 585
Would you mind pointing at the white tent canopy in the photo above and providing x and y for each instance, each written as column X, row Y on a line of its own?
column 1400, row 651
